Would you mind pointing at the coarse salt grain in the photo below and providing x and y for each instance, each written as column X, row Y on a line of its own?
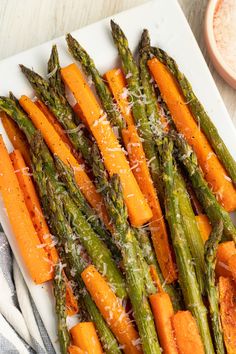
column 224, row 25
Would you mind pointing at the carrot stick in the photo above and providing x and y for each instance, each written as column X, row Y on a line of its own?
column 163, row 311
column 114, row 158
column 224, row 252
column 34, row 208
column 227, row 290
column 155, row 278
column 34, row 256
column 204, row 226
column 117, row 84
column 137, row 159
column 73, row 349
column 84, row 336
column 52, row 119
column 186, row 333
column 214, row 172
column 16, row 136
column 59, row 148
column 112, row 310
column 157, row 225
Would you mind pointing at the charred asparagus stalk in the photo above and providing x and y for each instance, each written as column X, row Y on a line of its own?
column 66, row 175
column 187, row 276
column 133, row 267
column 192, row 233
column 74, row 259
column 200, row 114
column 212, row 208
column 102, row 182
column 60, row 297
column 103, row 92
column 212, row 291
column 54, row 76
column 138, row 107
column 95, row 247
column 136, row 268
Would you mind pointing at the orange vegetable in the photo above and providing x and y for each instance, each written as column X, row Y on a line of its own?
column 117, row 84
column 16, row 136
column 186, row 333
column 157, row 225
column 84, row 336
column 137, row 159
column 111, row 309
column 232, row 266
column 163, row 311
column 33, row 204
column 73, row 349
column 155, row 278
column 59, row 148
column 204, row 226
column 53, row 120
column 224, row 252
column 39, row 222
column 57, row 126
column 114, row 158
column 34, row 256
column 214, row 172
column 227, row 290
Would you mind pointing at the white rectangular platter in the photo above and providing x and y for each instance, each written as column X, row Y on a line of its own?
column 169, row 30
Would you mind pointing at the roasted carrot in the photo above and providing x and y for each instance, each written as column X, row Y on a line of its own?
column 214, row 172
column 34, row 256
column 112, row 310
column 84, row 336
column 204, row 226
column 232, row 266
column 16, row 136
column 227, row 290
column 186, row 333
column 52, row 119
column 137, row 159
column 117, row 84
column 155, row 278
column 163, row 311
column 114, row 158
column 224, row 252
column 39, row 222
column 73, row 349
column 59, row 148
column 33, row 204
column 157, row 225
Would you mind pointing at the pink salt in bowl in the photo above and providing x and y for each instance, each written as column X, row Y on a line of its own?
column 220, row 64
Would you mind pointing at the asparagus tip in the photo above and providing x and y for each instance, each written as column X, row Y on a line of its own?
column 145, row 40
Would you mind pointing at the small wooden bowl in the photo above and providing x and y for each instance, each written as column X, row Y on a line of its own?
column 218, row 61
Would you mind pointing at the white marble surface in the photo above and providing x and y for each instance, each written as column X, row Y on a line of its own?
column 26, row 23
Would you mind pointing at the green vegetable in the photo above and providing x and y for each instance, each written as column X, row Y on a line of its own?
column 212, row 290
column 60, row 297
column 133, row 265
column 66, row 175
column 137, row 100
column 187, row 275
